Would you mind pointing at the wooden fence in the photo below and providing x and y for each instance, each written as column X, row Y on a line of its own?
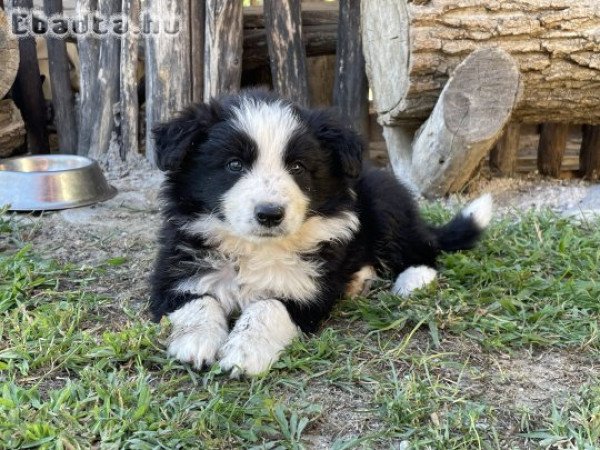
column 308, row 51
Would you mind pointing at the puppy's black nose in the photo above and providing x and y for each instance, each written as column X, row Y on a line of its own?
column 269, row 214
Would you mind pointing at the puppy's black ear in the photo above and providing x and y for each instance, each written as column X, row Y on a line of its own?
column 345, row 144
column 174, row 139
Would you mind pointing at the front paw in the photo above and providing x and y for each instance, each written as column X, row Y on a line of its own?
column 198, row 346
column 241, row 355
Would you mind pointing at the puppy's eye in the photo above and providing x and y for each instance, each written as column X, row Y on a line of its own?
column 235, row 165
column 297, row 168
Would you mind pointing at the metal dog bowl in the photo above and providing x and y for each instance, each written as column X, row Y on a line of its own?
column 49, row 182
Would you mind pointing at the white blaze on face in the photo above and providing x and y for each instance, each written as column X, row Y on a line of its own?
column 270, row 125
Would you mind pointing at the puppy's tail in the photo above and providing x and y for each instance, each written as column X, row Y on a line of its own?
column 465, row 229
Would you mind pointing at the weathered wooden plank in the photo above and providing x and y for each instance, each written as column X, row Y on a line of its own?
column 286, row 50
column 168, row 77
column 63, row 99
column 503, row 158
column 321, row 75
column 553, row 142
column 27, row 90
column 589, row 156
column 108, row 87
column 350, row 93
column 197, row 32
column 89, row 57
column 318, row 40
column 313, row 14
column 223, row 47
column 130, row 146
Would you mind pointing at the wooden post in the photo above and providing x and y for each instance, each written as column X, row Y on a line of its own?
column 89, row 54
column 503, row 158
column 589, row 157
column 60, row 79
column 106, row 97
column 466, row 122
column 197, row 32
column 286, row 50
column 223, row 47
column 27, row 91
column 129, row 82
column 553, row 142
column 321, row 76
column 168, row 77
column 350, row 92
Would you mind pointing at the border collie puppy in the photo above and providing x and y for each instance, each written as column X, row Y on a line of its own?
column 269, row 212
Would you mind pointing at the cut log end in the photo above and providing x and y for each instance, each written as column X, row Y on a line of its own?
column 481, row 95
column 466, row 122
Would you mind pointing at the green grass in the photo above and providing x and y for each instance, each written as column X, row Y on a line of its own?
column 72, row 377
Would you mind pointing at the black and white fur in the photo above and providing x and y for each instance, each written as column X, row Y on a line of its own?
column 270, row 212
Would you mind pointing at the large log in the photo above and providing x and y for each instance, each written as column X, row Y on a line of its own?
column 9, row 55
column 168, row 78
column 286, row 50
column 27, row 92
column 555, row 43
column 466, row 122
column 223, row 47
column 63, row 99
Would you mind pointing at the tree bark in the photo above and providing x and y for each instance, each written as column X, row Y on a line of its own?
column 89, row 55
column 350, row 93
column 60, row 80
column 27, row 92
column 286, row 50
column 130, row 145
column 168, row 77
column 466, row 122
column 9, row 55
column 555, row 43
column 503, row 158
column 553, row 142
column 223, row 47
column 589, row 157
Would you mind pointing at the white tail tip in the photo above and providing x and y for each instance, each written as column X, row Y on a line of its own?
column 480, row 211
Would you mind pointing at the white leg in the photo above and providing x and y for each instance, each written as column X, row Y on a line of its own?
column 413, row 278
column 261, row 333
column 199, row 330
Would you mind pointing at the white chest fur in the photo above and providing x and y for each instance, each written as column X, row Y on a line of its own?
column 241, row 272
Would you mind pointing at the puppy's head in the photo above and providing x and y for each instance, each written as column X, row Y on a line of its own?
column 258, row 165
